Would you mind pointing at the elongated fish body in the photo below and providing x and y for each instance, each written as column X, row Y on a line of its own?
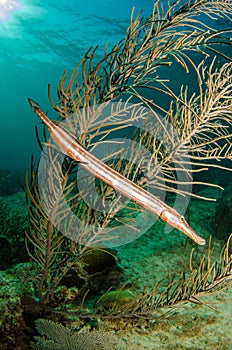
column 72, row 148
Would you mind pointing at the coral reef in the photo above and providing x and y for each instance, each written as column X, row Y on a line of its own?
column 190, row 135
column 14, row 332
column 14, row 222
column 203, row 278
column 130, row 312
column 193, row 134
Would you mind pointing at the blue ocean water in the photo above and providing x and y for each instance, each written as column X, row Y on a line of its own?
column 38, row 41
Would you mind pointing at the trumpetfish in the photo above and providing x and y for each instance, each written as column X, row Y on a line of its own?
column 71, row 147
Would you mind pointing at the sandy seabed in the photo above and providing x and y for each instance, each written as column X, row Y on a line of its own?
column 206, row 326
column 153, row 257
column 195, row 327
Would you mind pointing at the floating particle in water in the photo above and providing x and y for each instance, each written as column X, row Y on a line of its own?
column 7, row 7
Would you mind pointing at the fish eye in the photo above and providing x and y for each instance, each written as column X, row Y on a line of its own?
column 182, row 219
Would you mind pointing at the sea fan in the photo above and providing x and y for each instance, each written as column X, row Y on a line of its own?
column 102, row 97
column 54, row 336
